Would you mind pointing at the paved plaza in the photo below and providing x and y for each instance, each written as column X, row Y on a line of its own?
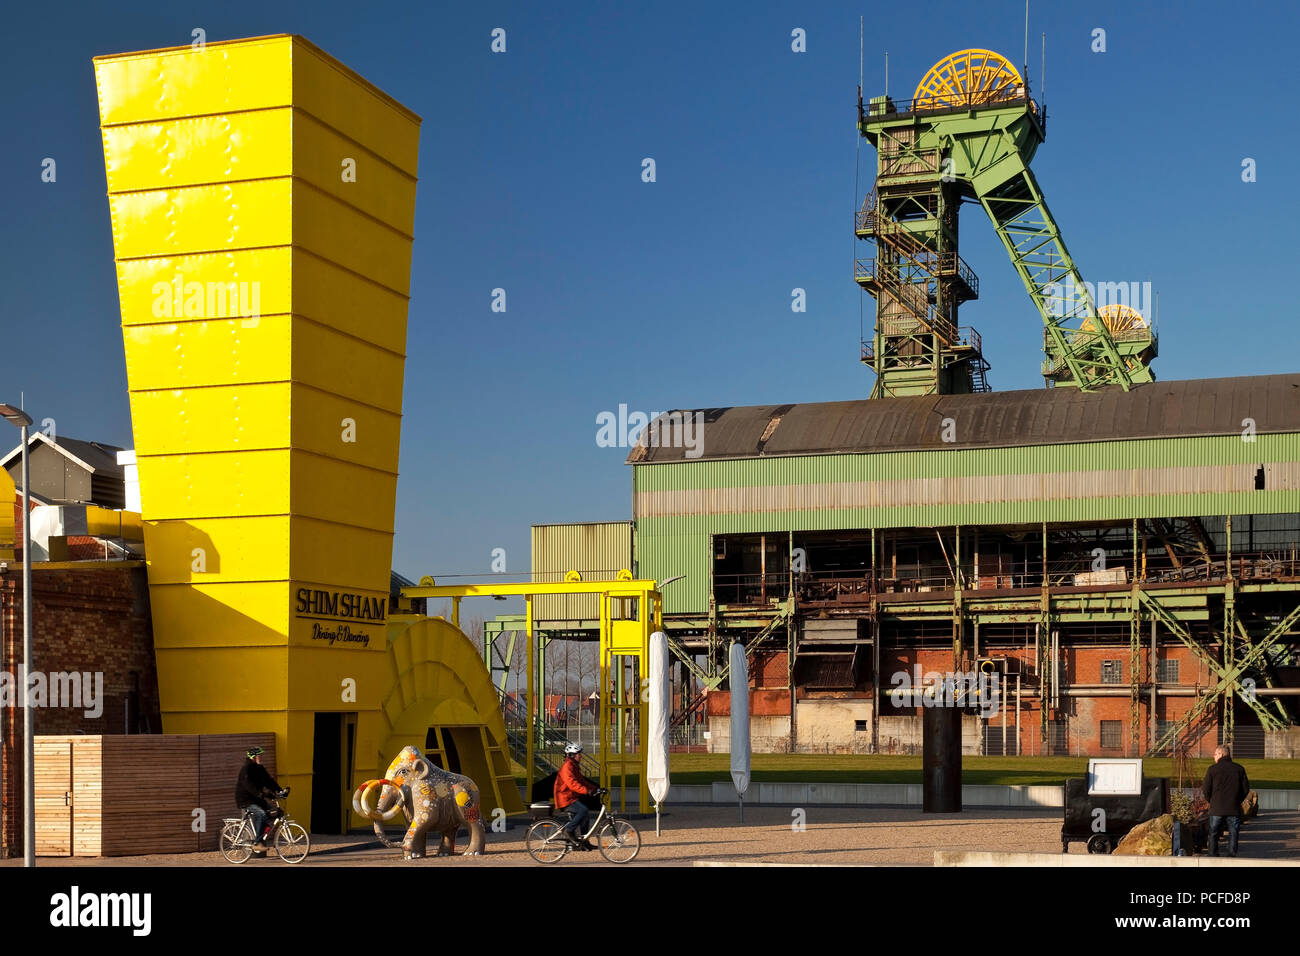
column 837, row 836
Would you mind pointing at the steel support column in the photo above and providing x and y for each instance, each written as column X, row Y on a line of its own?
column 1135, row 670
column 1229, row 725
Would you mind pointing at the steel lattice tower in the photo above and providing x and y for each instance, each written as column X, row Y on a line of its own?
column 968, row 134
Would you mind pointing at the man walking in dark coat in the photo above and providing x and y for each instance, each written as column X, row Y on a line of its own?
column 1225, row 788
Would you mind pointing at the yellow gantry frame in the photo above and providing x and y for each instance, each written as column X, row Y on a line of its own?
column 624, row 632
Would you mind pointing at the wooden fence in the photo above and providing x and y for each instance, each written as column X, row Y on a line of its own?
column 122, row 795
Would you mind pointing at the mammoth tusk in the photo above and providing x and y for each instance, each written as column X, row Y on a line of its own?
column 357, row 807
column 397, row 807
column 361, row 801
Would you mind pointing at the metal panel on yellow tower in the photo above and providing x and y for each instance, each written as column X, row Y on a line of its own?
column 220, row 418
column 202, row 354
column 239, row 614
column 214, row 285
column 194, row 151
column 188, row 81
column 256, row 416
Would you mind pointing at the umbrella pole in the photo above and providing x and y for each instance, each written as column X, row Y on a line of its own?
column 741, row 797
column 656, row 819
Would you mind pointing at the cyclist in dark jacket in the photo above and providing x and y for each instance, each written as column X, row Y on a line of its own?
column 1226, row 785
column 254, row 781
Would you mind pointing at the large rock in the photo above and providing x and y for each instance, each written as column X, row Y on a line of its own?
column 1153, row 838
column 1250, row 806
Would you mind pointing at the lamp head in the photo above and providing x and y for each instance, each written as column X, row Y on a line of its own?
column 15, row 416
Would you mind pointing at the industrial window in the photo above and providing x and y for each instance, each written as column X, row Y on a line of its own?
column 1112, row 672
column 1058, row 743
column 1167, row 672
column 859, row 725
column 1111, row 734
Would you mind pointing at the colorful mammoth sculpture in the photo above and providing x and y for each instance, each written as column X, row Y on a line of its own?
column 431, row 799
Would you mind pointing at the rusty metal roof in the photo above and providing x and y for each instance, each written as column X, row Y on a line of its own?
column 1195, row 407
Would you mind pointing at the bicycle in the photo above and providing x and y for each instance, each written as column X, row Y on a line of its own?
column 238, row 838
column 618, row 840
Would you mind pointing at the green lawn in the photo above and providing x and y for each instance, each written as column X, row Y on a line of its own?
column 850, row 768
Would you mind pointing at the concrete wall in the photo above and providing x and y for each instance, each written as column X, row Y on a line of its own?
column 902, row 735
column 767, row 734
column 1282, row 744
column 826, row 725
column 903, row 794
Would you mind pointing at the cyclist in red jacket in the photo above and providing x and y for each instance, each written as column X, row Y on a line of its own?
column 577, row 794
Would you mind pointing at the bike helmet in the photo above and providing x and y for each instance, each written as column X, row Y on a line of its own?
column 254, row 752
column 570, row 749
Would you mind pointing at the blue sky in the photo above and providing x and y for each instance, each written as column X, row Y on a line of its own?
column 675, row 293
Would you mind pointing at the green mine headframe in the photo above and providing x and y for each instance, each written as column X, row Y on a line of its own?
column 969, row 133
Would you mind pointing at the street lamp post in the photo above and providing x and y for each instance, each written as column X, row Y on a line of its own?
column 20, row 419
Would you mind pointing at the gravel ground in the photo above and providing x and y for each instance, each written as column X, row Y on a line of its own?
column 836, row 836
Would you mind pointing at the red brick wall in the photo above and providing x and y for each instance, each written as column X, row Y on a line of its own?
column 1082, row 715
column 18, row 526
column 762, row 703
column 93, row 618
column 770, row 670
column 769, row 694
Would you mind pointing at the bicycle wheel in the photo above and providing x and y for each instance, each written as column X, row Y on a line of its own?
column 236, row 842
column 292, row 843
column 619, row 841
column 546, row 842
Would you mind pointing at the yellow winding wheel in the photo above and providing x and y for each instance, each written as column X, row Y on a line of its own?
column 1121, row 321
column 1126, row 326
column 968, row 78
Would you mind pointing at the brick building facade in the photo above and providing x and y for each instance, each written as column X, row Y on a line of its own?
column 1091, row 714
column 91, row 618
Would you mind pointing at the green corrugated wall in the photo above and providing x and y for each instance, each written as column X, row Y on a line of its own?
column 715, row 490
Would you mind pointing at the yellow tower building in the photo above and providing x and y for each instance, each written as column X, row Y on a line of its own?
column 262, row 198
column 8, row 509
